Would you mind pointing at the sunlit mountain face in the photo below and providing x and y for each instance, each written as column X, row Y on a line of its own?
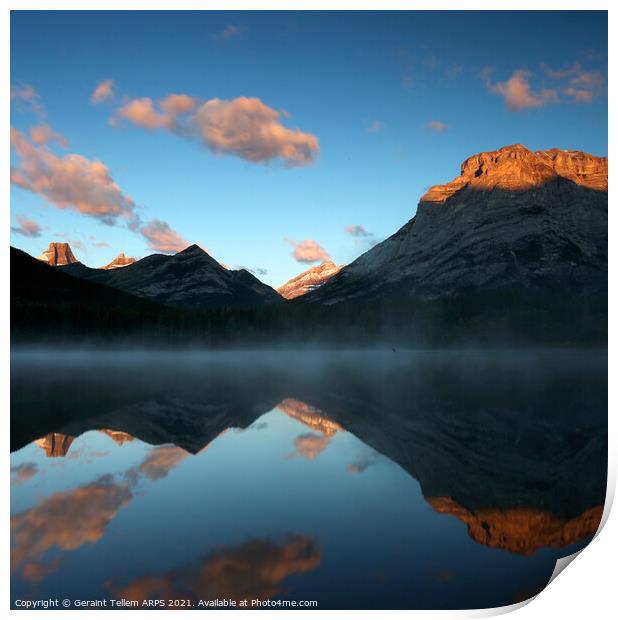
column 378, row 479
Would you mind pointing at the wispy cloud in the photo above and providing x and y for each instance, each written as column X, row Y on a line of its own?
column 560, row 74
column 308, row 251
column 231, row 31
column 571, row 83
column 256, row 271
column 407, row 82
column 361, row 464
column 27, row 228
column 162, row 238
column 453, row 71
column 576, row 83
column 437, row 126
column 356, row 230
column 23, row 472
column 245, row 127
column 104, row 90
column 43, row 134
column 26, row 99
column 152, row 115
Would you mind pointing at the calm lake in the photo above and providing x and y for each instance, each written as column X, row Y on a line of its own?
column 366, row 479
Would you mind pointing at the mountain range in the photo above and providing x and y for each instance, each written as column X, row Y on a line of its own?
column 190, row 279
column 517, row 241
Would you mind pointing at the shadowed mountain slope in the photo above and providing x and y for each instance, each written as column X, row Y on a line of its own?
column 512, row 219
column 191, row 279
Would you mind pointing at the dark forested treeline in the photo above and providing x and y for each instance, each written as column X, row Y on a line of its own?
column 49, row 307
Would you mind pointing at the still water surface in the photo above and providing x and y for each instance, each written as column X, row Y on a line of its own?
column 375, row 479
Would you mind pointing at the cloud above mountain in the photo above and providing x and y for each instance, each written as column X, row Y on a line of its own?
column 569, row 84
column 69, row 182
column 308, row 251
column 73, row 182
column 162, row 238
column 26, row 228
column 518, row 93
column 245, row 127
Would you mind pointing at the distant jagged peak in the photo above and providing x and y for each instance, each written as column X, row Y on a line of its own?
column 58, row 253
column 309, row 280
column 515, row 167
column 120, row 261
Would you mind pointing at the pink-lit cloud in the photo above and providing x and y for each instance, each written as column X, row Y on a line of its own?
column 518, row 94
column 160, row 460
column 250, row 129
column 69, row 182
column 162, row 238
column 578, row 84
column 27, row 228
column 43, row 134
column 245, row 127
column 104, row 90
column 308, row 251
column 255, row 569
column 64, row 521
column 310, row 445
column 152, row 115
column 571, row 83
column 86, row 186
column 375, row 126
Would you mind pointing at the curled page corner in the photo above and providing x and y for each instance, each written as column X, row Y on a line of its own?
column 562, row 563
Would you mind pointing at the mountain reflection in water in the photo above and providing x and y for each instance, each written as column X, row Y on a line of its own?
column 329, row 477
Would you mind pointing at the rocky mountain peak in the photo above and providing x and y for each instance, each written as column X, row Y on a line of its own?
column 513, row 219
column 120, row 261
column 58, row 253
column 309, row 280
column 516, row 168
column 192, row 250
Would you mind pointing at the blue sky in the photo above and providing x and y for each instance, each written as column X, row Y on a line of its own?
column 395, row 100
